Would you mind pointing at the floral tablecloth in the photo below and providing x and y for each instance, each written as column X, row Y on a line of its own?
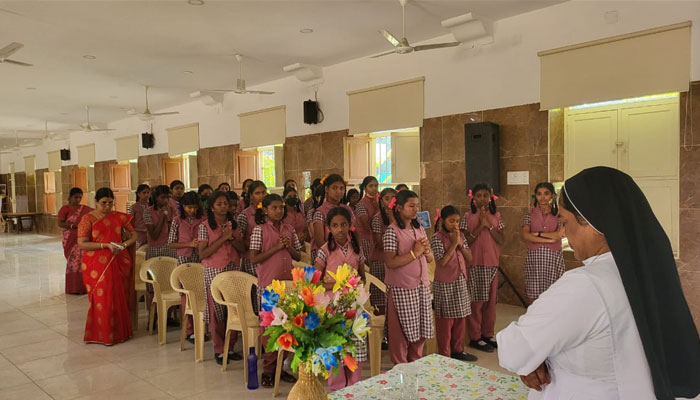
column 441, row 378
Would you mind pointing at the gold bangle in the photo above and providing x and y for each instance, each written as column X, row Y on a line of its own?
column 102, row 246
column 413, row 254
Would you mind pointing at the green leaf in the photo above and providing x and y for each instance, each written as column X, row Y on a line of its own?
column 295, row 361
column 331, row 339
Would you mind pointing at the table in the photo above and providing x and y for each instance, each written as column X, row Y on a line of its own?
column 18, row 217
column 441, row 378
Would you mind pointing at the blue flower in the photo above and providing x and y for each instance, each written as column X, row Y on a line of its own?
column 270, row 300
column 328, row 357
column 309, row 273
column 311, row 321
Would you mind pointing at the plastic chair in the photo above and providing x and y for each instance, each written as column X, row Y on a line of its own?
column 376, row 333
column 232, row 289
column 280, row 352
column 306, row 255
column 140, row 285
column 143, row 248
column 157, row 271
column 188, row 279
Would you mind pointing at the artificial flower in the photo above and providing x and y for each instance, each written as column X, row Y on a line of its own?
column 312, row 321
column 260, row 206
column 350, row 314
column 341, row 276
column 309, row 273
column 278, row 287
column 299, row 320
column 266, row 318
column 354, row 281
column 360, row 326
column 328, row 357
column 307, row 294
column 297, row 274
column 270, row 299
column 280, row 317
column 362, row 296
column 286, row 341
column 321, row 299
column 317, row 277
column 350, row 362
column 392, row 203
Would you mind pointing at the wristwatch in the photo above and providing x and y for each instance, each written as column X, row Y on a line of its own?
column 539, row 234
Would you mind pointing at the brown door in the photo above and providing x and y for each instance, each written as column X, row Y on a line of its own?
column 172, row 169
column 79, row 179
column 246, row 166
column 120, row 181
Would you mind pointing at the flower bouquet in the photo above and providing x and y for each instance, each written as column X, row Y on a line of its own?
column 320, row 327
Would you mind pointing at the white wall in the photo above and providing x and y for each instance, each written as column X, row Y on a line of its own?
column 457, row 80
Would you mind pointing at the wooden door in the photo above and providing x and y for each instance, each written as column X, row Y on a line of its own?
column 79, row 179
column 357, row 158
column 120, row 182
column 172, row 169
column 590, row 141
column 246, row 166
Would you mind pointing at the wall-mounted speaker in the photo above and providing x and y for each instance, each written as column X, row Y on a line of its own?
column 310, row 112
column 148, row 140
column 65, row 155
column 481, row 154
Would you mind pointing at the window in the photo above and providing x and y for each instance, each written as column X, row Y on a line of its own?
column 266, row 165
column 393, row 157
column 382, row 158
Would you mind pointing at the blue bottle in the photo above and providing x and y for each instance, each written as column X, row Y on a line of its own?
column 252, row 369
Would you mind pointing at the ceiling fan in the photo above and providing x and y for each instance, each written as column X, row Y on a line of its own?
column 17, row 146
column 53, row 133
column 147, row 115
column 402, row 46
column 9, row 50
column 240, row 82
column 86, row 127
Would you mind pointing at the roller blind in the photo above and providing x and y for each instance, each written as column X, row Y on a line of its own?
column 405, row 153
column 263, row 127
column 86, row 155
column 127, row 148
column 55, row 160
column 29, row 165
column 183, row 139
column 396, row 105
column 637, row 64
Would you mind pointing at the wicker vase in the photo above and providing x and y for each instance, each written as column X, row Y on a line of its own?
column 308, row 387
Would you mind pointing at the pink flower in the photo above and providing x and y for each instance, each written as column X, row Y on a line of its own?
column 354, row 281
column 280, row 317
column 350, row 314
column 321, row 299
column 382, row 382
column 316, row 277
column 266, row 318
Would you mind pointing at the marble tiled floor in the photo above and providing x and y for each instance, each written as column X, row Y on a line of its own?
column 42, row 354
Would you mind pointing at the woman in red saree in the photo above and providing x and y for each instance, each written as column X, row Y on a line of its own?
column 68, row 218
column 105, row 236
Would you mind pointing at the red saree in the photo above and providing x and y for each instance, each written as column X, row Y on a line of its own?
column 108, row 279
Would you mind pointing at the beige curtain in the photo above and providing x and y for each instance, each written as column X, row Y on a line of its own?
column 54, row 160
column 127, row 148
column 396, row 105
column 86, row 155
column 183, row 139
column 266, row 127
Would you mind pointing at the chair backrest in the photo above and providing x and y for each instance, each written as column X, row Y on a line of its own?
column 233, row 288
column 138, row 263
column 143, row 248
column 189, row 279
column 158, row 271
column 371, row 280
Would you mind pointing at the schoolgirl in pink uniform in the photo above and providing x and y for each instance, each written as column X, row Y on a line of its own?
column 246, row 220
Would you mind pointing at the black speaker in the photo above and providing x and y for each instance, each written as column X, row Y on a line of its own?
column 481, row 154
column 147, row 140
column 310, row 112
column 65, row 155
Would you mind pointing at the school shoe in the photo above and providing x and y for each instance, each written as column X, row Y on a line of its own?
column 464, row 357
column 190, row 338
column 231, row 357
column 491, row 341
column 481, row 345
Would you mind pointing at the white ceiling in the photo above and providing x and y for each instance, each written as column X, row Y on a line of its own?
column 153, row 42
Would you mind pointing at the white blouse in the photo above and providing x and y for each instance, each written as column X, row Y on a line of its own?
column 570, row 328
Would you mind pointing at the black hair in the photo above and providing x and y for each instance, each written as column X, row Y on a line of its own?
column 444, row 213
column 314, row 184
column 288, row 190
column 175, row 183
column 140, row 189
column 331, row 179
column 401, row 186
column 550, row 187
column 244, row 192
column 232, row 196
column 342, row 211
column 260, row 216
column 190, row 199
column 204, row 187
column 287, row 182
column 365, row 182
column 74, row 191
column 104, row 192
column 401, row 198
column 222, row 184
column 351, row 193
column 251, row 188
column 492, row 202
column 382, row 211
column 210, row 210
column 157, row 191
column 317, row 195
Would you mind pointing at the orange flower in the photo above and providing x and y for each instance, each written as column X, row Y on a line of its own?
column 350, row 362
column 307, row 294
column 298, row 274
column 299, row 320
column 286, row 340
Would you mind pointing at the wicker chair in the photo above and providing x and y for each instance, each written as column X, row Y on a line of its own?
column 232, row 289
column 188, row 279
column 157, row 271
column 376, row 333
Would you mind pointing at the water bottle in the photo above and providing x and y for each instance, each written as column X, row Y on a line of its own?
column 252, row 369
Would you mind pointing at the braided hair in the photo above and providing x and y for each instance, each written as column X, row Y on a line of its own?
column 260, row 217
column 365, row 182
column 342, row 211
column 382, row 211
column 331, row 179
column 251, row 188
column 210, row 210
column 444, row 213
column 492, row 202
column 550, row 187
column 402, row 198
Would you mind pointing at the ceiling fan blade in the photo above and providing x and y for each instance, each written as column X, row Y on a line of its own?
column 219, row 90
column 257, row 92
column 165, row 113
column 383, row 54
column 391, row 38
column 436, row 46
column 21, row 64
column 102, row 130
column 10, row 49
